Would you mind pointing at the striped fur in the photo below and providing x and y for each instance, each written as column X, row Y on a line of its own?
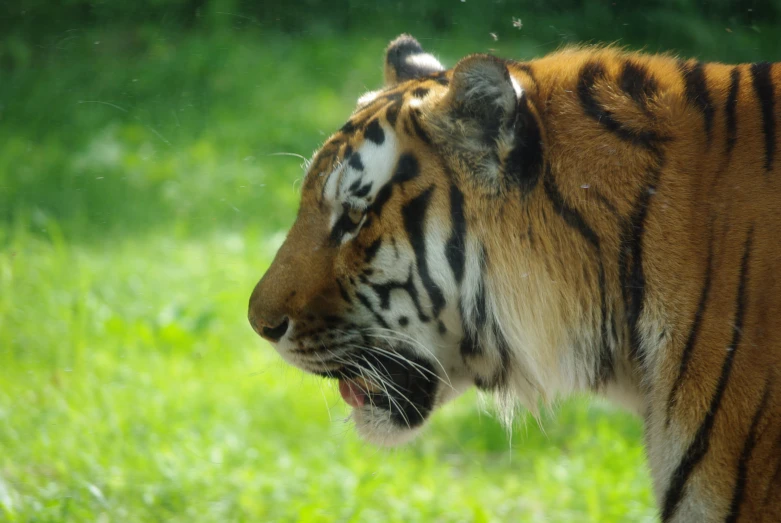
column 593, row 220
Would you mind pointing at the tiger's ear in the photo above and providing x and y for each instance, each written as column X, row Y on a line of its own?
column 405, row 59
column 482, row 94
column 480, row 120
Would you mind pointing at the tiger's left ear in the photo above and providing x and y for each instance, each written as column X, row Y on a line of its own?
column 405, row 59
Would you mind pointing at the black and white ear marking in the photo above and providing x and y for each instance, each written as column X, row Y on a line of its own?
column 405, row 59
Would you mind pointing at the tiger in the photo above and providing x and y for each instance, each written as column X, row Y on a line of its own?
column 595, row 220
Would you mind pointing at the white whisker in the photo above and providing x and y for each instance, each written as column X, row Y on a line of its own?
column 393, row 386
column 382, row 382
column 307, row 162
column 407, row 338
column 400, row 357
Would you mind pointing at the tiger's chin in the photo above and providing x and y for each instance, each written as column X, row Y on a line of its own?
column 388, row 423
column 377, row 427
column 392, row 394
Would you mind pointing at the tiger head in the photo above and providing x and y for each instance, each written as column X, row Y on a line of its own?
column 381, row 282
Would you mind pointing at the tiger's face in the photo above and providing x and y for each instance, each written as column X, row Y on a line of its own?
column 372, row 285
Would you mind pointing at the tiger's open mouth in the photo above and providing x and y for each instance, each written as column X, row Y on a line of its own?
column 399, row 383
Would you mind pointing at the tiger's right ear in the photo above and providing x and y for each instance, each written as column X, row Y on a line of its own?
column 405, row 59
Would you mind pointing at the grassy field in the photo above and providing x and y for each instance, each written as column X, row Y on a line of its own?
column 140, row 200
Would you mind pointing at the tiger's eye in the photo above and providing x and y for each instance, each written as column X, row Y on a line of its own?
column 355, row 215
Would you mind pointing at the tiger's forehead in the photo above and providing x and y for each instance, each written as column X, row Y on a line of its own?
column 378, row 115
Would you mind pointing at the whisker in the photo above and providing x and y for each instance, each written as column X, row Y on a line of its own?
column 287, row 154
column 413, row 341
column 376, row 377
column 384, row 384
column 307, row 162
column 400, row 357
column 404, row 396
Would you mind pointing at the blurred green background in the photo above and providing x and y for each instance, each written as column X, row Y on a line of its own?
column 142, row 194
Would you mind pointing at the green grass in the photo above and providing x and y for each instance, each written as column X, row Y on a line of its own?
column 139, row 204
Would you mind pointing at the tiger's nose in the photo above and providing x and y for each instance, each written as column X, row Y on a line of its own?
column 272, row 333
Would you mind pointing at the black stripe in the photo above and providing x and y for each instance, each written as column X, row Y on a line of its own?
column 455, row 249
column 523, row 165
column 414, row 118
column 394, row 96
column 343, row 292
column 694, row 332
column 367, row 304
column 763, row 85
column 414, row 215
column 392, row 113
column 730, row 109
column 469, row 347
column 363, row 191
column 602, row 199
column 470, row 344
column 481, row 314
column 697, row 94
column 605, row 368
column 571, row 216
column 630, row 258
column 383, row 290
column 383, row 195
column 406, row 169
column 637, row 83
column 374, row 132
column 589, row 74
column 355, row 162
column 745, row 456
column 701, row 442
column 420, row 92
column 371, row 250
column 348, row 128
column 499, row 377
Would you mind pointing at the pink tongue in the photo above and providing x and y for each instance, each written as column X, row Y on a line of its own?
column 352, row 393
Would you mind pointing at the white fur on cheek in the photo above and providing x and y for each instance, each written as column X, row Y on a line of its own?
column 378, row 163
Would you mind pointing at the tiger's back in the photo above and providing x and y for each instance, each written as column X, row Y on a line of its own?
column 682, row 187
column 592, row 220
